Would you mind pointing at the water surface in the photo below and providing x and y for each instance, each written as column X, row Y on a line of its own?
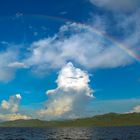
column 95, row 133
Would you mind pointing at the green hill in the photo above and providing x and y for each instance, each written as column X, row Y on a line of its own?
column 111, row 119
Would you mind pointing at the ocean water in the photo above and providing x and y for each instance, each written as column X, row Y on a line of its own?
column 95, row 133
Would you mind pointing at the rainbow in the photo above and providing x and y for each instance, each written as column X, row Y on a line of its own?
column 122, row 46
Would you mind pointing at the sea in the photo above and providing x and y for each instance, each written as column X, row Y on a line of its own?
column 72, row 133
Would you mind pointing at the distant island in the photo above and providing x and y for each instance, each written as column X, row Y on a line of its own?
column 111, row 119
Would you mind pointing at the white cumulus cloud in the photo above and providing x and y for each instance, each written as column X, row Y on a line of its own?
column 9, row 110
column 12, row 104
column 71, row 96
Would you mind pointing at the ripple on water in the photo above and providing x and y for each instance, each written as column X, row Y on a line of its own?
column 95, row 133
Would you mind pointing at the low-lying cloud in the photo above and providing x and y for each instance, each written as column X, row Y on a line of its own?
column 9, row 110
column 12, row 104
column 136, row 109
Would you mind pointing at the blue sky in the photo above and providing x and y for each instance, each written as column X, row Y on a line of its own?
column 40, row 39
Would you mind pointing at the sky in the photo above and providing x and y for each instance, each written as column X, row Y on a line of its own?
column 69, row 59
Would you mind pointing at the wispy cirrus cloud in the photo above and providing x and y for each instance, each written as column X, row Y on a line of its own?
column 95, row 51
column 7, row 57
column 118, row 5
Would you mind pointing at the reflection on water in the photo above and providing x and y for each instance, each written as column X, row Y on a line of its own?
column 96, row 133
